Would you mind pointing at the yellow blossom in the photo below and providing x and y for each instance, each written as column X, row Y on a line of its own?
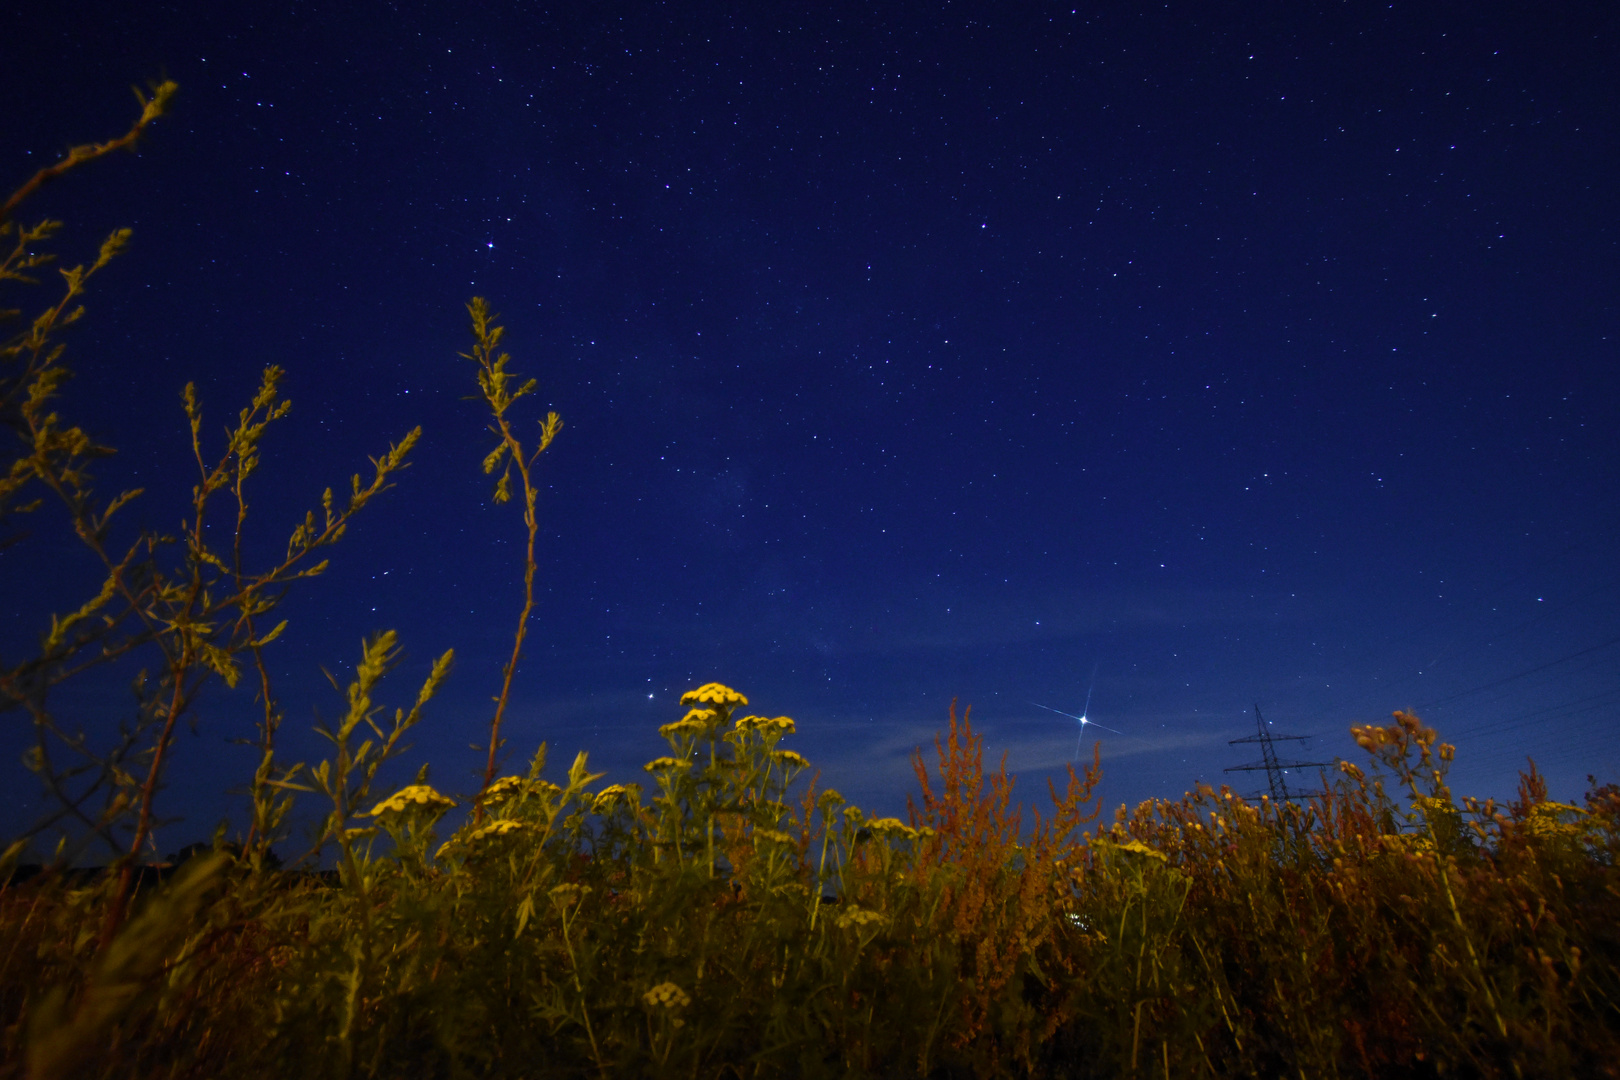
column 659, row 764
column 607, row 797
column 504, row 788
column 782, row 725
column 1140, row 848
column 666, row 995
column 772, row 834
column 888, row 826
column 713, row 692
column 409, row 797
column 695, row 722
column 855, row 916
column 788, row 757
column 1547, row 822
column 495, row 828
column 681, row 727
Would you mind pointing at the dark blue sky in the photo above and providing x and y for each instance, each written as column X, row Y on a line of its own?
column 906, row 352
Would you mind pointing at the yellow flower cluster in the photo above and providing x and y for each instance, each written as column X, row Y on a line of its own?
column 695, row 722
column 660, row 764
column 1133, row 845
column 495, row 828
column 789, row 757
column 666, row 995
column 773, row 834
column 504, row 788
column 609, row 796
column 1431, row 806
column 780, row 725
column 888, row 826
column 713, row 693
column 413, row 796
column 1548, row 821
column 855, row 916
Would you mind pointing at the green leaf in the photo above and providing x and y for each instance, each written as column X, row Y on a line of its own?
column 272, row 635
column 525, row 912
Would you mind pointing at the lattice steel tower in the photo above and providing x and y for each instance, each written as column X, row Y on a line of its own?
column 1274, row 767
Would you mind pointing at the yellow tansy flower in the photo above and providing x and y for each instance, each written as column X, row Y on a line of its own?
column 715, row 693
column 855, row 916
column 780, row 724
column 607, row 797
column 888, row 826
column 1142, row 849
column 504, row 788
column 695, row 722
column 417, row 795
column 495, row 828
column 666, row 995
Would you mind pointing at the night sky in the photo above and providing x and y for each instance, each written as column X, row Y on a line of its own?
column 1188, row 356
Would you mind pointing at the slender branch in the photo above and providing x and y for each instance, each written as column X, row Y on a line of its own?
column 494, row 380
column 529, row 520
column 151, row 108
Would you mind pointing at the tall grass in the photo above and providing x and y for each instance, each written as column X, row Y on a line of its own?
column 732, row 920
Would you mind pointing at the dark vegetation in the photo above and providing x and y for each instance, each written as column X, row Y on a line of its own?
column 733, row 918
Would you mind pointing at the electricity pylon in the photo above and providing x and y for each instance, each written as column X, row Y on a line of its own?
column 1275, row 768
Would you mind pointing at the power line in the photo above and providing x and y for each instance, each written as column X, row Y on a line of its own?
column 1461, row 643
column 1520, row 675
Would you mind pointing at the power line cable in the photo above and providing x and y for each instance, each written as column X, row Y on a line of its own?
column 1462, row 644
column 1519, row 675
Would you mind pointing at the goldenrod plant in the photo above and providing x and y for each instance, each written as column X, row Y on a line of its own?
column 723, row 914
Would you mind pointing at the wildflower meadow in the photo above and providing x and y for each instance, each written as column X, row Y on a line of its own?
column 729, row 914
